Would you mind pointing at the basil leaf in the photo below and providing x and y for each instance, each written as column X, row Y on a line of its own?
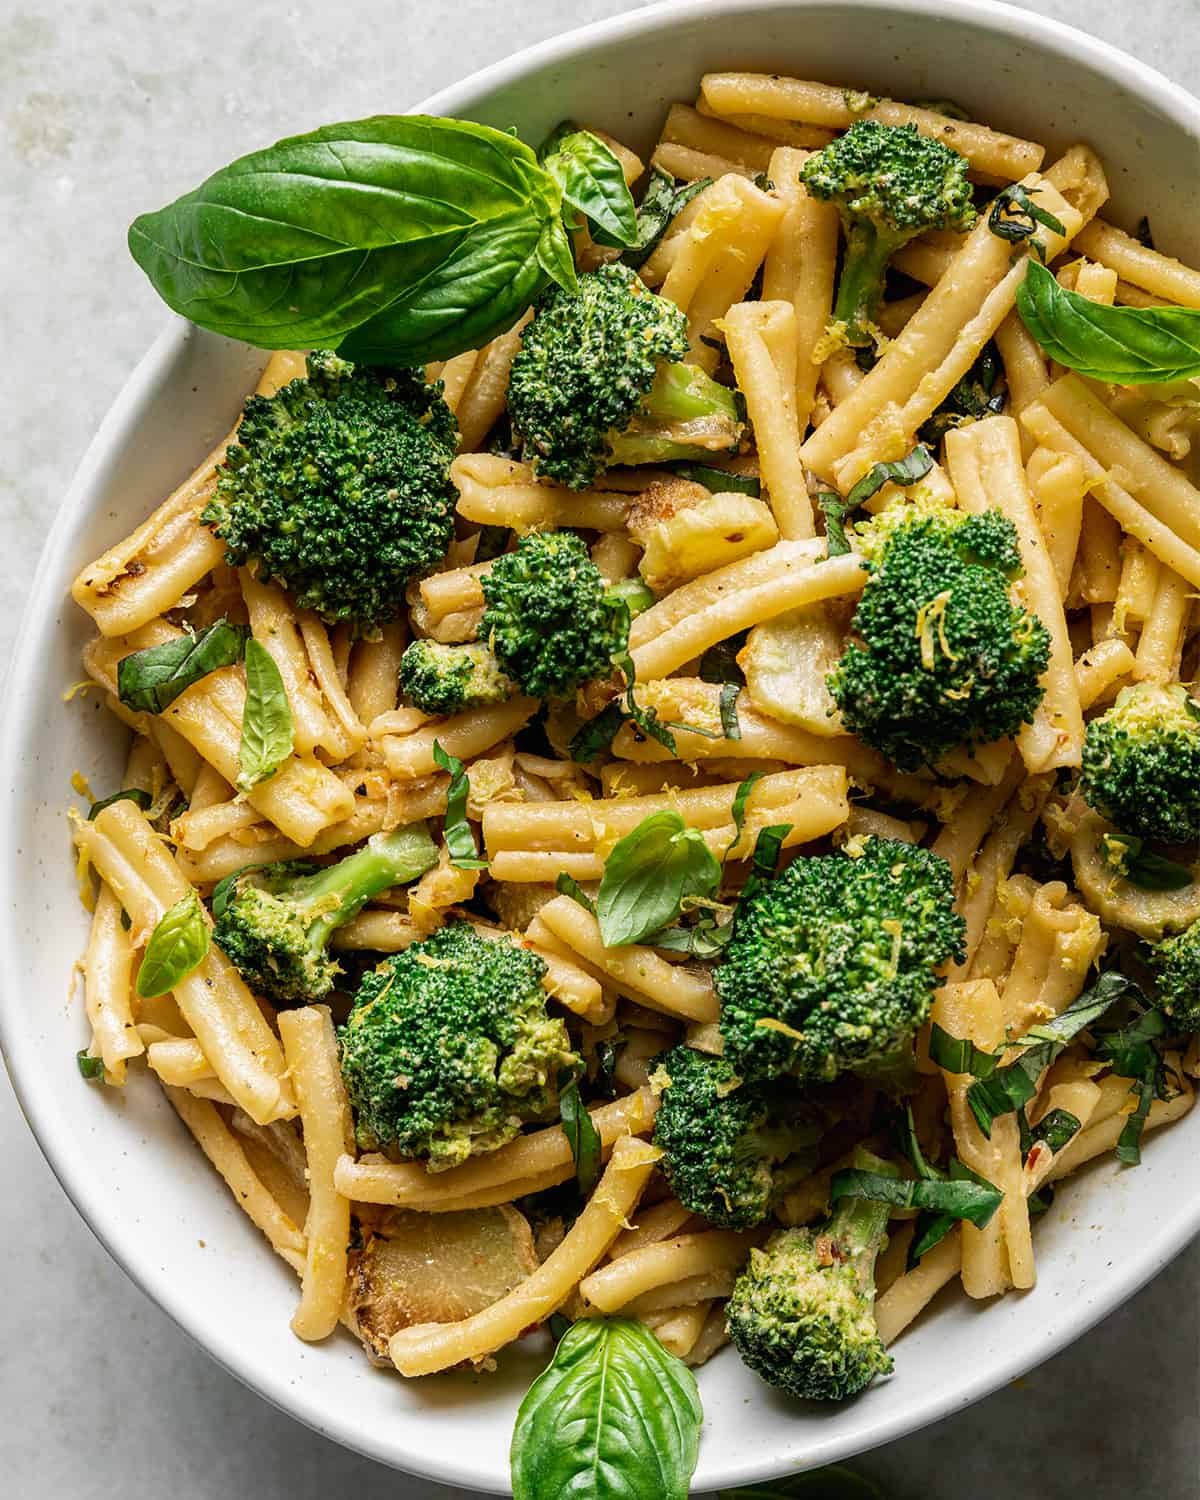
column 1118, row 345
column 458, row 833
column 972, row 1199
column 832, row 1483
column 613, row 1417
column 1057, row 1128
column 1132, row 861
column 907, row 1136
column 933, row 1227
column 719, row 662
column 476, row 293
column 835, row 510
column 1011, row 1087
column 151, row 679
column 648, row 874
column 718, row 481
column 567, row 885
column 766, row 852
column 590, row 179
column 267, row 735
column 703, row 939
column 661, row 201
column 132, row 794
column 957, row 1055
column 730, row 727
column 91, row 1068
column 741, row 799
column 903, row 471
column 301, row 243
column 1015, row 216
column 597, row 735
column 1132, row 1052
column 226, row 888
column 177, row 945
column 583, row 1136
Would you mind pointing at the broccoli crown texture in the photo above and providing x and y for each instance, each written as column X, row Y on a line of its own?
column 832, row 965
column 441, row 679
column 276, row 921
column 890, row 183
column 1141, row 763
column 338, row 488
column 943, row 655
column 549, row 618
column 1176, row 965
column 723, row 1139
column 802, row 1313
column 449, row 1050
column 597, row 361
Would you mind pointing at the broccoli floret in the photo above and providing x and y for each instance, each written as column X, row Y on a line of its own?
column 449, row 1050
column 724, row 1139
column 943, row 655
column 549, row 618
column 274, row 922
column 890, row 183
column 442, row 679
column 338, row 488
column 802, row 1313
column 1141, row 763
column 1176, row 965
column 597, row 382
column 832, row 965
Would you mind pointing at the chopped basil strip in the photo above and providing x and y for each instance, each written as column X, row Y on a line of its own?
column 835, row 510
column 970, row 1198
column 132, row 794
column 151, row 679
column 91, row 1068
column 567, row 885
column 458, row 833
column 1015, row 217
column 729, row 715
column 597, row 735
column 718, row 481
column 583, row 1136
column 1056, row 1129
column 903, row 471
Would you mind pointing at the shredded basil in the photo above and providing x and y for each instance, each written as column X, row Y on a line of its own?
column 718, row 481
column 567, row 885
column 967, row 1197
column 132, row 794
column 729, row 715
column 903, row 471
column 150, row 680
column 1015, row 217
column 457, row 831
column 91, row 1068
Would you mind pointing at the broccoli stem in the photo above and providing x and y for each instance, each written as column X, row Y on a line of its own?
column 860, row 289
column 337, row 894
column 684, row 414
column 858, row 1226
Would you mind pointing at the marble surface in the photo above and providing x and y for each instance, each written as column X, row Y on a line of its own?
column 107, row 108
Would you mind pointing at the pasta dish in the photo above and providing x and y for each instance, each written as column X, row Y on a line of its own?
column 664, row 793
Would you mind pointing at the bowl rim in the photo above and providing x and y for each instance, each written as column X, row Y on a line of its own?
column 1159, row 1243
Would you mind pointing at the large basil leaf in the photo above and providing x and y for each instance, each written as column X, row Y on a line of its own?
column 267, row 733
column 648, row 874
column 176, row 946
column 613, row 1417
column 151, row 679
column 300, row 243
column 1119, row 345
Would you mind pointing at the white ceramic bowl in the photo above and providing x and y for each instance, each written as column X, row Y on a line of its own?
column 123, row 1157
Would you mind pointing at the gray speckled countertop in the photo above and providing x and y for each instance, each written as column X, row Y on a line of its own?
column 107, row 106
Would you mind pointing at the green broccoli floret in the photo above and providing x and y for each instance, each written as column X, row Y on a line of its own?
column 802, row 1313
column 832, row 965
column 549, row 618
column 1141, row 763
column 724, row 1140
column 449, row 1050
column 890, row 183
column 596, row 383
column 274, row 922
column 943, row 656
column 1176, row 965
column 440, row 679
column 338, row 488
